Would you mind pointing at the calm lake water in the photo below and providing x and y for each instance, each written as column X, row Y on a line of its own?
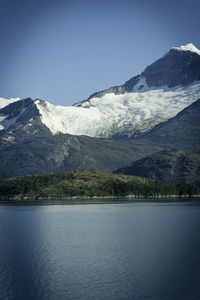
column 103, row 251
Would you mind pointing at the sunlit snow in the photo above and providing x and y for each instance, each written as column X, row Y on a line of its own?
column 188, row 47
column 112, row 114
column 4, row 102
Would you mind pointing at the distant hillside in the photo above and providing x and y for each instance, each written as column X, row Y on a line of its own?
column 176, row 166
column 181, row 131
column 81, row 184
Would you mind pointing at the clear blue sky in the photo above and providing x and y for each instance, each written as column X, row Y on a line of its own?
column 63, row 51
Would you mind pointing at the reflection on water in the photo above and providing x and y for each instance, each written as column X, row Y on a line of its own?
column 106, row 251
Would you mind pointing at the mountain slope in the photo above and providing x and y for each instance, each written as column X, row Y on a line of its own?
column 28, row 147
column 132, row 114
column 183, row 130
column 164, row 88
column 21, row 118
column 176, row 166
column 34, row 154
column 33, row 149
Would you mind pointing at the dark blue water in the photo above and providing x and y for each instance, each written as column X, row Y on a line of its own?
column 111, row 251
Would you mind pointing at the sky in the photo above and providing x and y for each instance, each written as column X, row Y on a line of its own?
column 63, row 51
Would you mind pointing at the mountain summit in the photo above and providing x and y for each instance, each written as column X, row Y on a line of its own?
column 179, row 66
column 188, row 47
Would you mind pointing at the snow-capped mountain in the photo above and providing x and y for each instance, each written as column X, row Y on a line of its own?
column 30, row 148
column 164, row 88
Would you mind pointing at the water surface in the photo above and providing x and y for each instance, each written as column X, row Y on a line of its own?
column 103, row 251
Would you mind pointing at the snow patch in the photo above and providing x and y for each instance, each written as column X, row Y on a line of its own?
column 72, row 120
column 4, row 101
column 188, row 47
column 141, row 85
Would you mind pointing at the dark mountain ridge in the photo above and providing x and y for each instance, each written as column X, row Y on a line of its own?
column 173, row 69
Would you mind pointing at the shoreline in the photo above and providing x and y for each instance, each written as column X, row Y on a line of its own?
column 26, row 201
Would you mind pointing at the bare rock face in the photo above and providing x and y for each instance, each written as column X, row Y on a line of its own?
column 175, row 68
column 179, row 66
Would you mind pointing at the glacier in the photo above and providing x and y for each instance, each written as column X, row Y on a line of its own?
column 133, row 112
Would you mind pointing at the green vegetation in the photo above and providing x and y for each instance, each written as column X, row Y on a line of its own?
column 83, row 184
column 178, row 167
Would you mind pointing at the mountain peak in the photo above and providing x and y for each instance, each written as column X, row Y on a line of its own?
column 188, row 47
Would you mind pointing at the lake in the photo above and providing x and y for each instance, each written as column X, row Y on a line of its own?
column 103, row 251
